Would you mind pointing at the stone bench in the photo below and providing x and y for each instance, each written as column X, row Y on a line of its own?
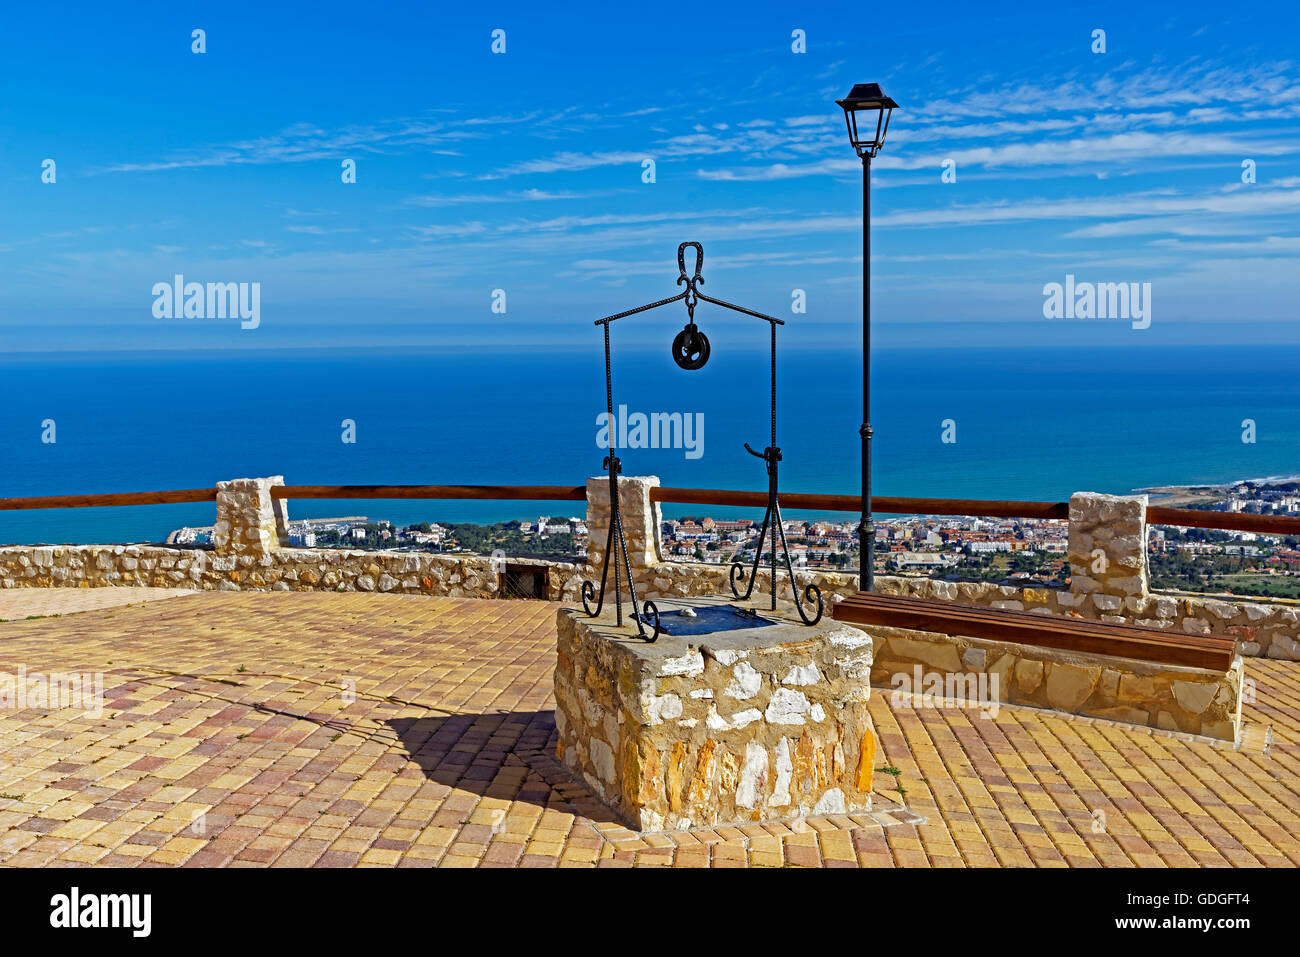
column 1128, row 673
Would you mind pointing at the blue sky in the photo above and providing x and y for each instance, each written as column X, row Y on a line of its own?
column 522, row 171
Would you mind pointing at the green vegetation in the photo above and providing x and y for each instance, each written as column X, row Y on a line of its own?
column 997, row 566
column 507, row 536
column 1239, row 574
column 1262, row 586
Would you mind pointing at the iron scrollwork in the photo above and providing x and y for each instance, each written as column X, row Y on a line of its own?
column 690, row 350
column 691, row 346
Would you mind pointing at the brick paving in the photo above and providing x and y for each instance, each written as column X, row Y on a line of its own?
column 248, row 729
column 19, row 603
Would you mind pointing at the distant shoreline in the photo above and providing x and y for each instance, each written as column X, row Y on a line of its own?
column 1176, row 495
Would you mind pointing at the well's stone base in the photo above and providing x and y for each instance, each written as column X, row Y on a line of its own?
column 1169, row 697
column 757, row 724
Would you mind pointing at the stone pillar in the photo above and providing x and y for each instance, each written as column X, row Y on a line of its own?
column 249, row 522
column 641, row 520
column 280, row 510
column 1108, row 549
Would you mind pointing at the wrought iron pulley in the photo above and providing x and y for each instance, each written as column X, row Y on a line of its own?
column 690, row 346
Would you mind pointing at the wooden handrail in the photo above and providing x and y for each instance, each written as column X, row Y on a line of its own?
column 1236, row 521
column 488, row 492
column 851, row 503
column 171, row 497
column 1156, row 515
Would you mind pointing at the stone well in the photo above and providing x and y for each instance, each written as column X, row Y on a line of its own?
column 762, row 723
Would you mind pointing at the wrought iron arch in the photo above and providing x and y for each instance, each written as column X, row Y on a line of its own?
column 691, row 350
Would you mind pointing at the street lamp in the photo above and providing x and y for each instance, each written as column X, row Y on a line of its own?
column 866, row 114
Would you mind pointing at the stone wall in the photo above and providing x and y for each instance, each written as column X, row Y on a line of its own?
column 288, row 569
column 1106, row 548
column 1108, row 562
column 249, row 553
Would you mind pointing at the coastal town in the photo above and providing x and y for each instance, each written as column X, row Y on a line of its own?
column 1011, row 551
column 553, row 536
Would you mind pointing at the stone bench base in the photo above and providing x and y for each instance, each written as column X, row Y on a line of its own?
column 981, row 673
column 732, row 727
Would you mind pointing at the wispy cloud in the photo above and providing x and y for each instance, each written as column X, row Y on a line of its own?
column 569, row 162
column 313, row 230
column 304, row 142
column 514, row 196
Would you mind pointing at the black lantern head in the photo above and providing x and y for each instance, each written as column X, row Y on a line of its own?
column 875, row 108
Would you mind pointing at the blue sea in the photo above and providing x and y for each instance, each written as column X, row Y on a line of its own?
column 1030, row 424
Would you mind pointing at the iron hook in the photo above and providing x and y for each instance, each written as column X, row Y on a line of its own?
column 681, row 264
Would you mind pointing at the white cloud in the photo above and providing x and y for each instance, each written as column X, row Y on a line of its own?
column 568, row 162
column 526, row 195
column 760, row 174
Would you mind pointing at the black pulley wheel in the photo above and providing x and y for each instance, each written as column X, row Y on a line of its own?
column 691, row 348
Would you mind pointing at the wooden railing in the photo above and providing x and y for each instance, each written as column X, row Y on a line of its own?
column 1235, row 521
column 550, row 493
column 984, row 508
column 851, row 503
column 172, row 497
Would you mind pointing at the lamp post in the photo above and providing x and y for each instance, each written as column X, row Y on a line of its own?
column 868, row 101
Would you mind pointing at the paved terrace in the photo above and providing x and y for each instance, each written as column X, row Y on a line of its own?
column 231, row 736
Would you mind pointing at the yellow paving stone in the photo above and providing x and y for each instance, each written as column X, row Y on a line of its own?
column 350, row 845
column 550, row 836
column 231, row 780
column 135, row 850
column 543, row 850
column 436, row 836
column 77, row 829
column 185, row 845
column 1019, row 790
column 165, row 855
column 84, row 853
column 422, row 853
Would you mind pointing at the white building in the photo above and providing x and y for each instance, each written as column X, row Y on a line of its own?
column 979, row 548
column 922, row 560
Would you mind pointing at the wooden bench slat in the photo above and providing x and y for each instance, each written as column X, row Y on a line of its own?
column 1213, row 652
column 996, row 616
column 986, row 613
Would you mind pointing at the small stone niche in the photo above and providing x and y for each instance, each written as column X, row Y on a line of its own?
column 764, row 722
